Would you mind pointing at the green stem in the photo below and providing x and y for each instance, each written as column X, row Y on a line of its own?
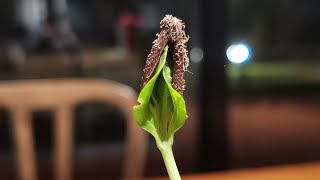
column 167, row 154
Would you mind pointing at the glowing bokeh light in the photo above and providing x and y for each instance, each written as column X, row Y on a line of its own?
column 196, row 54
column 238, row 53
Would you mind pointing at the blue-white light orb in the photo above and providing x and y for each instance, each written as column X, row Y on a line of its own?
column 238, row 53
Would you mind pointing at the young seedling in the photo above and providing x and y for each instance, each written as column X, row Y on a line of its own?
column 162, row 109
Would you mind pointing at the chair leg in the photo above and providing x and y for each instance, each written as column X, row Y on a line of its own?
column 137, row 148
column 23, row 137
column 63, row 144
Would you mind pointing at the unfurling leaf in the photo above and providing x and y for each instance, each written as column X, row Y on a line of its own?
column 162, row 109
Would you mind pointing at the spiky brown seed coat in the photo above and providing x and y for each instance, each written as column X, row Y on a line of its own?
column 172, row 30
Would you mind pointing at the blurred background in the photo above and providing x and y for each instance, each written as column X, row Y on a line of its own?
column 252, row 98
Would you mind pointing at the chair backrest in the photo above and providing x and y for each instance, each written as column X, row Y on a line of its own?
column 61, row 96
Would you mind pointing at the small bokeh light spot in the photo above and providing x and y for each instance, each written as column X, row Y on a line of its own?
column 196, row 54
column 238, row 53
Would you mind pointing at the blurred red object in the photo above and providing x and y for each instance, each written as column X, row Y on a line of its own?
column 128, row 24
column 128, row 19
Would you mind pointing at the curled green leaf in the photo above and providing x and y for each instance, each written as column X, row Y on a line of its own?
column 162, row 109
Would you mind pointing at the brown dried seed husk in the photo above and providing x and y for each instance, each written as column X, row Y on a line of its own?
column 154, row 56
column 172, row 30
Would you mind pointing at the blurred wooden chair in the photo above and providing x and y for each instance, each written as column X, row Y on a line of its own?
column 61, row 97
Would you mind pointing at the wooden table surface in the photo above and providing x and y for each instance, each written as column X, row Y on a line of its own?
column 310, row 171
